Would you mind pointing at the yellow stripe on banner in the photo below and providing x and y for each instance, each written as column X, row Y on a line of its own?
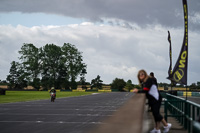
column 78, row 90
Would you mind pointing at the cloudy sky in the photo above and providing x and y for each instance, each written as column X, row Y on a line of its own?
column 117, row 37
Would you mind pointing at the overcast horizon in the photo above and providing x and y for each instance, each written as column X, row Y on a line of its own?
column 117, row 37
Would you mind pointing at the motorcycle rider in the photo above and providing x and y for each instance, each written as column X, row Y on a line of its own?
column 53, row 90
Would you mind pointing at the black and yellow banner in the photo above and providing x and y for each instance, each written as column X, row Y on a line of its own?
column 179, row 73
column 170, row 54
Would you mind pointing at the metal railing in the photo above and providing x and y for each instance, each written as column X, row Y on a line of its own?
column 186, row 112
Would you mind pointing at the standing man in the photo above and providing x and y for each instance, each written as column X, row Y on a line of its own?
column 152, row 76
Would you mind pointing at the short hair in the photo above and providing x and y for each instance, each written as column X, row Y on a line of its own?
column 152, row 74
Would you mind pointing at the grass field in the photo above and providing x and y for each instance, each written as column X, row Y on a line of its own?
column 21, row 96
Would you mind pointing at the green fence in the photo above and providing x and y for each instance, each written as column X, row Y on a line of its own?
column 186, row 112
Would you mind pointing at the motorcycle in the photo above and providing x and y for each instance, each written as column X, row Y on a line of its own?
column 53, row 96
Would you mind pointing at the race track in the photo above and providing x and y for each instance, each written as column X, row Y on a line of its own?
column 65, row 115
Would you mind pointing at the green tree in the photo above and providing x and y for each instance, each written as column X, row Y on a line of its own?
column 193, row 86
column 51, row 61
column 48, row 66
column 61, row 65
column 12, row 77
column 198, row 85
column 17, row 76
column 74, row 62
column 129, row 85
column 97, row 83
column 82, row 79
column 118, row 84
column 30, row 58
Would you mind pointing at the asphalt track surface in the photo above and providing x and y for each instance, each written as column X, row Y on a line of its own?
column 65, row 115
column 194, row 99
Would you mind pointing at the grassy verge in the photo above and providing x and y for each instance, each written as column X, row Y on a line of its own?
column 20, row 96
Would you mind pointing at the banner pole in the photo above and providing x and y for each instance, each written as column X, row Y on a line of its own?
column 171, row 86
column 186, row 93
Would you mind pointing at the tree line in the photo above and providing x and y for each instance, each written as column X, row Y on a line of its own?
column 47, row 66
column 117, row 84
column 59, row 67
column 54, row 66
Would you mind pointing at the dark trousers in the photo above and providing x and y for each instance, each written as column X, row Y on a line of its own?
column 155, row 108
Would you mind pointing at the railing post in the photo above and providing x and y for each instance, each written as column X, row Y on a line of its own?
column 182, row 109
column 189, row 114
column 185, row 116
column 193, row 114
column 166, row 106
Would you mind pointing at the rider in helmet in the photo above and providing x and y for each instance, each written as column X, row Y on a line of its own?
column 53, row 90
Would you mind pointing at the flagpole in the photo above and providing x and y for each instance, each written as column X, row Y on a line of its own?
column 171, row 87
column 186, row 93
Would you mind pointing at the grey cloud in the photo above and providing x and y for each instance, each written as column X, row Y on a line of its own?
column 142, row 12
